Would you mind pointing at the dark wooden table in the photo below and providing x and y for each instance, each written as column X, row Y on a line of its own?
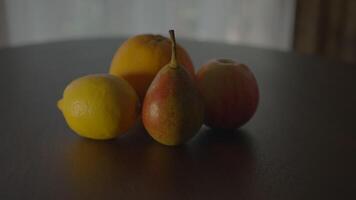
column 301, row 144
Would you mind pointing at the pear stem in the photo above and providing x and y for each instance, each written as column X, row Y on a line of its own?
column 174, row 62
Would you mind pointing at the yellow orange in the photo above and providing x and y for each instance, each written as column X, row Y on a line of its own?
column 140, row 58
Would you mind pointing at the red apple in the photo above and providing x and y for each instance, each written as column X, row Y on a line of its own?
column 230, row 93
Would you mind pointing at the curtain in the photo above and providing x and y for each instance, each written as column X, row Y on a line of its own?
column 326, row 28
column 3, row 25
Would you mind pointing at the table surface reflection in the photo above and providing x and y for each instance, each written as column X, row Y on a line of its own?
column 301, row 143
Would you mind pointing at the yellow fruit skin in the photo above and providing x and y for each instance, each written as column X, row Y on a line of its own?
column 140, row 58
column 99, row 106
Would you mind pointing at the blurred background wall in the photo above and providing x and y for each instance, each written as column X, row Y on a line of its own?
column 320, row 27
column 262, row 23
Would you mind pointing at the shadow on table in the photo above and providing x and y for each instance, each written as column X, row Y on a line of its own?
column 215, row 164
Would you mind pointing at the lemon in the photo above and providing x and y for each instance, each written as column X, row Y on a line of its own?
column 99, row 106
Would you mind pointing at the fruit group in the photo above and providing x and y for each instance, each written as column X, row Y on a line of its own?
column 172, row 110
column 140, row 58
column 99, row 106
column 230, row 93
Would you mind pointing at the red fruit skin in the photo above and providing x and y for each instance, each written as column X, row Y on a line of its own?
column 173, row 109
column 230, row 93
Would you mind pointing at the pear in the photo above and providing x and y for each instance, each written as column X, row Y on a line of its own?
column 173, row 109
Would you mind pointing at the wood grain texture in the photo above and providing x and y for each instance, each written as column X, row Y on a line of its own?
column 301, row 143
